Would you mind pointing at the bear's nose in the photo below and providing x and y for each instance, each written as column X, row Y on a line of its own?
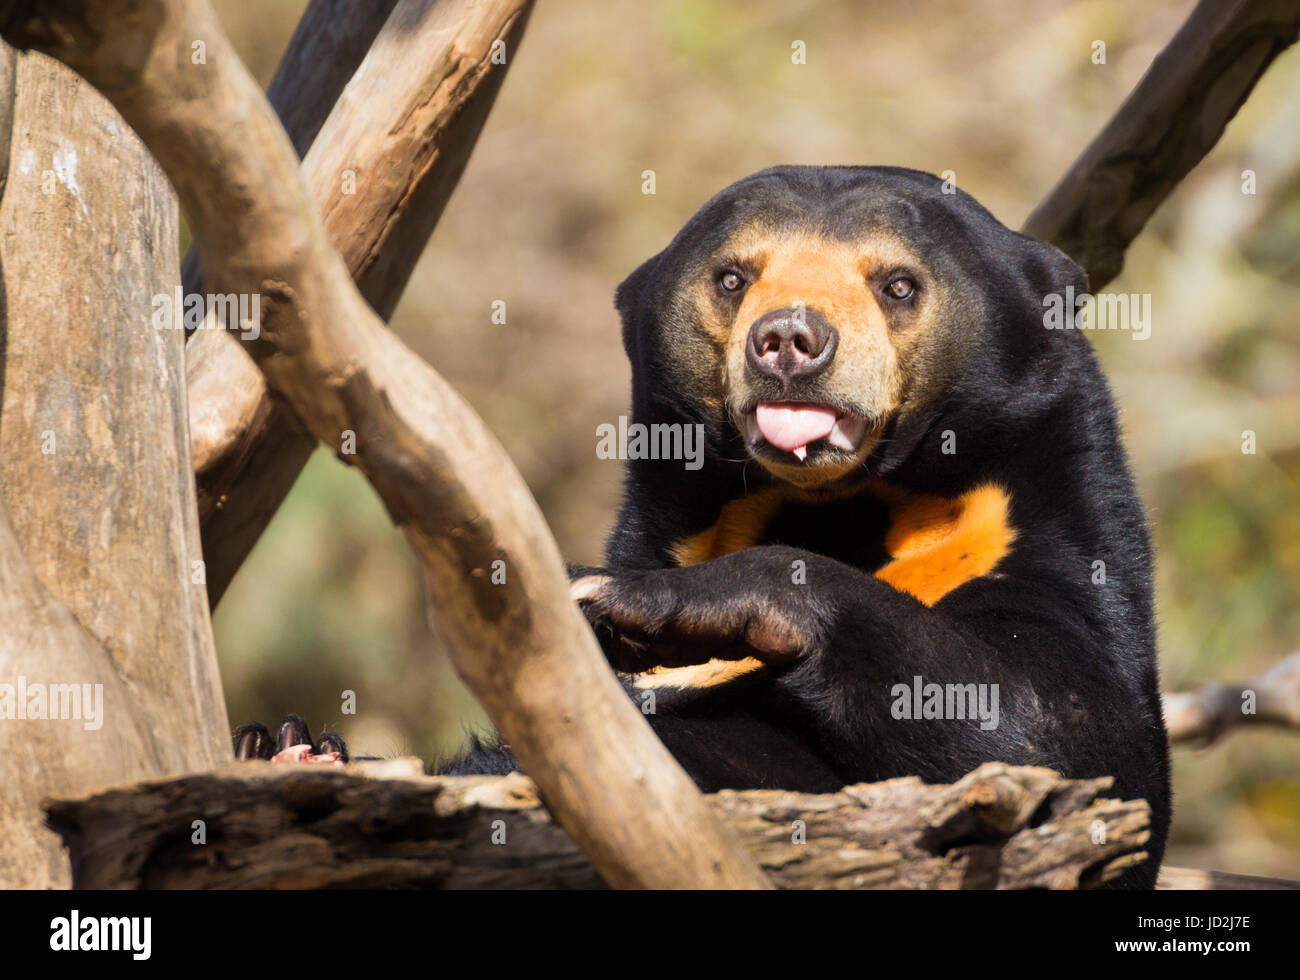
column 791, row 343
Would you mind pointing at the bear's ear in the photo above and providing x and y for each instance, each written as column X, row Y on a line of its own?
column 633, row 303
column 1048, row 270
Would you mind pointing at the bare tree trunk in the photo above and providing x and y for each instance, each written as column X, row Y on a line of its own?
column 247, row 450
column 328, row 45
column 102, row 536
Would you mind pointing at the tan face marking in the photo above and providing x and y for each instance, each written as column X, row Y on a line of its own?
column 830, row 277
column 839, row 280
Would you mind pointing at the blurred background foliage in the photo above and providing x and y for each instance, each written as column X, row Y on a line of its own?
column 550, row 216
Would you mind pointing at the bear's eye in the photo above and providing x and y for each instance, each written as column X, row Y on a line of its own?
column 731, row 281
column 901, row 288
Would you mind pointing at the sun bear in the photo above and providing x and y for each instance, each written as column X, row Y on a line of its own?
column 912, row 543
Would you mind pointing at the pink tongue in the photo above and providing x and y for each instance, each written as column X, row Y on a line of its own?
column 791, row 427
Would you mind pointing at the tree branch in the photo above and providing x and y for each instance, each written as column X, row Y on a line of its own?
column 1272, row 698
column 236, row 428
column 381, row 171
column 1169, row 122
column 388, row 825
column 516, row 639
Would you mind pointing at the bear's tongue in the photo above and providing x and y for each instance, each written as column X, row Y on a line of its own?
column 791, row 426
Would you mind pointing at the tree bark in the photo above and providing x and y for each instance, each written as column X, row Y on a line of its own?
column 101, row 571
column 387, row 825
column 403, row 129
column 497, row 589
column 329, row 43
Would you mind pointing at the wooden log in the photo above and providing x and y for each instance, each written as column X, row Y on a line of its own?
column 386, row 824
column 498, row 593
column 381, row 171
column 327, row 46
column 100, row 569
column 1171, row 119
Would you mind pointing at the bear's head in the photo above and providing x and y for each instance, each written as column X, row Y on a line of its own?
column 821, row 320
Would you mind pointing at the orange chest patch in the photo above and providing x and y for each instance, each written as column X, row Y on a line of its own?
column 740, row 525
column 937, row 543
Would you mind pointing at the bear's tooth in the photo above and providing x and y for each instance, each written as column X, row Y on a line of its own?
column 847, row 433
